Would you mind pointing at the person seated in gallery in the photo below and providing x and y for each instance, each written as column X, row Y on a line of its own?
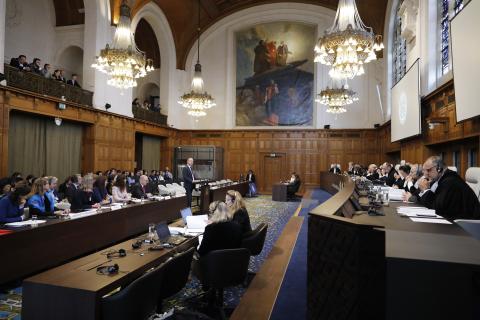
column 167, row 175
column 36, row 66
column 139, row 190
column 12, row 205
column 100, row 194
column 237, row 210
column 293, row 185
column 372, row 173
column 20, row 63
column 335, row 168
column 74, row 81
column 446, row 192
column 83, row 198
column 119, row 190
column 5, row 187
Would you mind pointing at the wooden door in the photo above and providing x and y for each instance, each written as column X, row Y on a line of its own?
column 273, row 170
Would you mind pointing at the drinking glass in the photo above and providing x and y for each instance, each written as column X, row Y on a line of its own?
column 151, row 232
column 34, row 220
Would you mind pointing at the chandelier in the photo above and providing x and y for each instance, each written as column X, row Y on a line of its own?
column 337, row 98
column 348, row 44
column 123, row 62
column 197, row 101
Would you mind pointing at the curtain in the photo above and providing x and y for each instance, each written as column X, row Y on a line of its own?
column 63, row 149
column 37, row 146
column 151, row 153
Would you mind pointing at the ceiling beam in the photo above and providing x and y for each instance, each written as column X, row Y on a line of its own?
column 210, row 7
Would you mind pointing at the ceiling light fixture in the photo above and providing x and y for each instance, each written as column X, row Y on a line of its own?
column 348, row 44
column 197, row 101
column 123, row 62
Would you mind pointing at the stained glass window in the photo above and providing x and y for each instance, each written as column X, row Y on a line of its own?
column 399, row 48
column 444, row 16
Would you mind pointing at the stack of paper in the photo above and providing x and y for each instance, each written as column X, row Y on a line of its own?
column 82, row 214
column 415, row 212
column 24, row 223
column 396, row 194
column 421, row 214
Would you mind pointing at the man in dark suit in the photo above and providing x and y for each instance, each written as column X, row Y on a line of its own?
column 372, row 173
column 139, row 190
column 74, row 81
column 188, row 178
column 73, row 187
column 446, row 192
column 335, row 168
column 389, row 172
column 20, row 63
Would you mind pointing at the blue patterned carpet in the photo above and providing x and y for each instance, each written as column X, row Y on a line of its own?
column 261, row 209
column 11, row 304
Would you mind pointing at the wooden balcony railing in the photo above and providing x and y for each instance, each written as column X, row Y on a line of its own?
column 148, row 115
column 41, row 85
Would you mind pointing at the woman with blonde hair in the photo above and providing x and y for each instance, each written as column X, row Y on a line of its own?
column 83, row 199
column 221, row 232
column 237, row 211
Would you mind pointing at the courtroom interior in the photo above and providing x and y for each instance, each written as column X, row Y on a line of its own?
column 239, row 159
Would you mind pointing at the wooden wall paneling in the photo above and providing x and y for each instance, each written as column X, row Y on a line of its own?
column 4, row 120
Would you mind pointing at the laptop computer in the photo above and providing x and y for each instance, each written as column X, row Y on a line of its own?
column 165, row 237
column 185, row 212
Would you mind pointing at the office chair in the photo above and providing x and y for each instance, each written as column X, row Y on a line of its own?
column 175, row 275
column 254, row 243
column 221, row 269
column 472, row 177
column 138, row 300
column 471, row 226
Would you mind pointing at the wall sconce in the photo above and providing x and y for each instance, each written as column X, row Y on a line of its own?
column 436, row 121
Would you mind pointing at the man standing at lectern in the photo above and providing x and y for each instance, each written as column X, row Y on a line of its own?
column 188, row 177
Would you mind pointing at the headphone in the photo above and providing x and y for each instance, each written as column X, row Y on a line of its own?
column 137, row 244
column 108, row 270
column 117, row 254
column 439, row 169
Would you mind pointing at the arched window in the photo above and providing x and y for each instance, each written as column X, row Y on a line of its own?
column 446, row 10
column 399, row 48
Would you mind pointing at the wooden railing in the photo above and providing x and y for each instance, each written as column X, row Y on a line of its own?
column 35, row 83
column 147, row 115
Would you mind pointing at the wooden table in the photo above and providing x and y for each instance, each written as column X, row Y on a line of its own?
column 279, row 192
column 74, row 290
column 27, row 251
column 394, row 268
column 211, row 194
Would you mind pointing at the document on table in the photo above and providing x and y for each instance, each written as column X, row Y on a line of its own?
column 396, row 194
column 196, row 224
column 416, row 212
column 431, row 220
column 82, row 214
column 24, row 223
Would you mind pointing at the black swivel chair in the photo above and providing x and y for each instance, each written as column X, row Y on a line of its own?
column 175, row 275
column 221, row 269
column 254, row 242
column 137, row 301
